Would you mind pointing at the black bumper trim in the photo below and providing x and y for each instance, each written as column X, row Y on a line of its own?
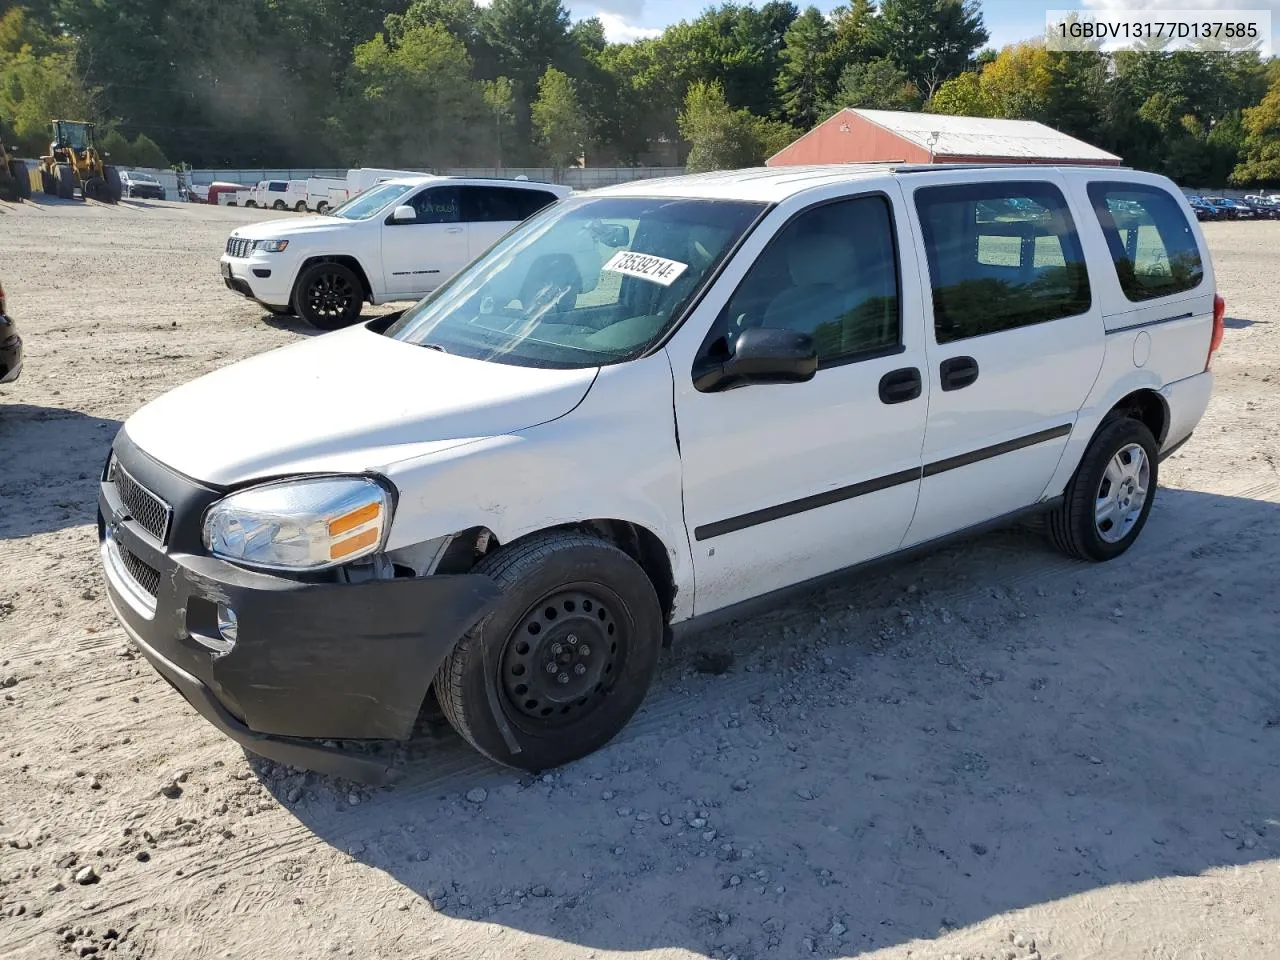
column 290, row 751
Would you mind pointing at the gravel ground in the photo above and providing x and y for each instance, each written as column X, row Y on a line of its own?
column 989, row 753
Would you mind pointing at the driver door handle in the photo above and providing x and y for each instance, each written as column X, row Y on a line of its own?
column 899, row 386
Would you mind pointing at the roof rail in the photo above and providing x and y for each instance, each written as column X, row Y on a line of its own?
column 998, row 164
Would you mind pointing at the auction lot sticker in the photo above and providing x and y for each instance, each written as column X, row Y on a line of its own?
column 658, row 269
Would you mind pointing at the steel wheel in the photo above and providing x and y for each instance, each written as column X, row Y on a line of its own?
column 562, row 659
column 1122, row 493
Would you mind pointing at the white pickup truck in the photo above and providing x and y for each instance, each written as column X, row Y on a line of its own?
column 398, row 240
column 779, row 377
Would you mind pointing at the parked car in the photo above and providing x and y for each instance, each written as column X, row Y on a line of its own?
column 398, row 241
column 1262, row 208
column 10, row 345
column 325, row 193
column 513, row 492
column 1203, row 209
column 1232, row 209
column 136, row 184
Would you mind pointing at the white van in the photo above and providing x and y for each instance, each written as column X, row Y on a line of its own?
column 515, row 490
column 397, row 241
column 360, row 179
column 325, row 193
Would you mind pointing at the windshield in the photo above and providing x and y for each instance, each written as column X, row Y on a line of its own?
column 367, row 204
column 593, row 280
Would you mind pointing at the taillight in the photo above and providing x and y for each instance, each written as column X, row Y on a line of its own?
column 1219, row 328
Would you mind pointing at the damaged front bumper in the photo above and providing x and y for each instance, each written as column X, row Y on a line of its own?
column 311, row 660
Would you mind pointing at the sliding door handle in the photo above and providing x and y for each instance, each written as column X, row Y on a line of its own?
column 958, row 372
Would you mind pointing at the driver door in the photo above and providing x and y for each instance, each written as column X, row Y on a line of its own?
column 786, row 482
column 420, row 254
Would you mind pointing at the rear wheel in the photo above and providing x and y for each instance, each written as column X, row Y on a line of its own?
column 95, row 188
column 278, row 205
column 21, row 179
column 1109, row 498
column 300, row 207
column 66, row 181
column 563, row 660
column 322, row 207
column 48, row 182
column 328, row 296
column 115, row 187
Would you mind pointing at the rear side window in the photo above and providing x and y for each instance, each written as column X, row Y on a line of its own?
column 1001, row 256
column 278, row 187
column 1151, row 243
column 502, row 204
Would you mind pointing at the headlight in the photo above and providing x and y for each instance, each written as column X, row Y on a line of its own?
column 303, row 524
column 271, row 246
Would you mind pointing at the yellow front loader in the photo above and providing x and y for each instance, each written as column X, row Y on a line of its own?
column 75, row 163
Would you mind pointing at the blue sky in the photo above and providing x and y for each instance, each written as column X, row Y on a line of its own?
column 1007, row 20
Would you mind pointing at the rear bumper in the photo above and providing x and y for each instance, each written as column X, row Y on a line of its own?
column 311, row 661
column 1186, row 401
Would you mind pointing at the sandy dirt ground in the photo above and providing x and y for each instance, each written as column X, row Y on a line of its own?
column 989, row 753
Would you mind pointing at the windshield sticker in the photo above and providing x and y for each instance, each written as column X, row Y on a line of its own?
column 658, row 269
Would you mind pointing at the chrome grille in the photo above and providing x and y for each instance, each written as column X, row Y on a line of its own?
column 151, row 513
column 239, row 247
column 144, row 575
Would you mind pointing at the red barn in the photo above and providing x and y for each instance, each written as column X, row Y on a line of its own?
column 861, row 136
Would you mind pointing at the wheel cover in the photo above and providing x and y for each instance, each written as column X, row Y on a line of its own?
column 1122, row 493
column 563, row 657
column 330, row 295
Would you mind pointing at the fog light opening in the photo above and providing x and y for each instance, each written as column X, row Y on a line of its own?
column 228, row 624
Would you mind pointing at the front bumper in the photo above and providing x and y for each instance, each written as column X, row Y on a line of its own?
column 245, row 277
column 317, row 660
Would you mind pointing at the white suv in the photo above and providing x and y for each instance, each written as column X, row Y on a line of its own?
column 398, row 240
column 515, row 489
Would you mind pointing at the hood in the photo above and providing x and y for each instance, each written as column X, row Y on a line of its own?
column 288, row 227
column 348, row 401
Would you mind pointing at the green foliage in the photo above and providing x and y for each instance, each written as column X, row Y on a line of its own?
column 930, row 40
column 142, row 152
column 558, row 119
column 722, row 138
column 876, row 85
column 804, row 80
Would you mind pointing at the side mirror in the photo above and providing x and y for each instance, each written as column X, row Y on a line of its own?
column 404, row 214
column 761, row 355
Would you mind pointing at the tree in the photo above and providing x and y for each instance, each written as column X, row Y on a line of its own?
column 1017, row 82
column 558, row 119
column 414, row 104
column 723, row 138
column 930, row 40
column 499, row 97
column 961, row 96
column 804, row 81
column 853, row 35
column 1260, row 162
column 527, row 37
column 876, row 85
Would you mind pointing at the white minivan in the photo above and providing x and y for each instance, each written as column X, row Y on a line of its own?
column 398, row 240
column 514, row 491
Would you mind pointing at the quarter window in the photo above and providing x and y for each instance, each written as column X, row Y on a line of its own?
column 1001, row 256
column 1152, row 245
column 831, row 273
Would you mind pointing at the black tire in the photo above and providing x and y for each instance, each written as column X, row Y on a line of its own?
column 251, row 203
column 66, row 178
column 605, row 632
column 115, row 187
column 48, row 183
column 21, row 179
column 1074, row 524
column 328, row 296
column 95, row 188
column 278, row 205
column 322, row 207
column 300, row 207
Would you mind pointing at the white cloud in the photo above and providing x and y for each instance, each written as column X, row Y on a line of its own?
column 618, row 30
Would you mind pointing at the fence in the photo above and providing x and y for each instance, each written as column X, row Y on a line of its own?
column 580, row 178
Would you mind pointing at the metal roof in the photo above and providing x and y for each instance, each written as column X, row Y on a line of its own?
column 983, row 136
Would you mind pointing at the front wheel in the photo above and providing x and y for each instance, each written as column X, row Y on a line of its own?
column 328, row 296
column 1108, row 500
column 66, row 178
column 115, row 186
column 563, row 660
